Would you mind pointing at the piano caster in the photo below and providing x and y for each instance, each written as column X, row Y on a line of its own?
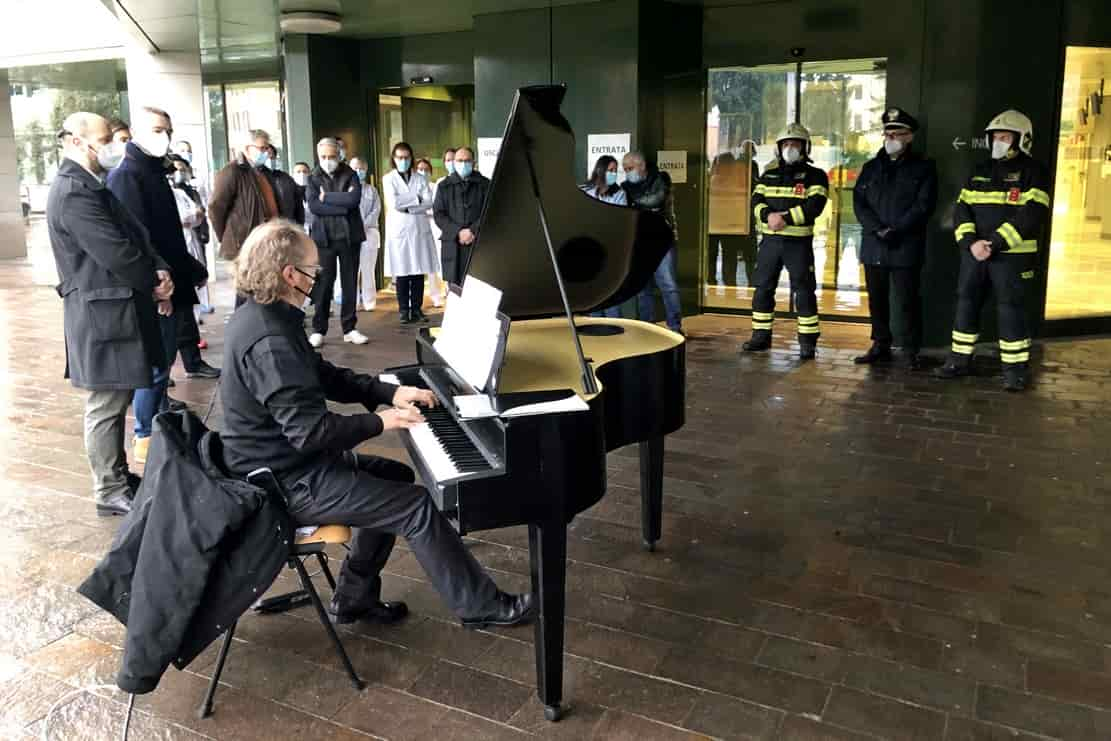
column 650, row 546
column 553, row 713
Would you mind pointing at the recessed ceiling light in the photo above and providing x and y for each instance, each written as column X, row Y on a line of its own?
column 310, row 21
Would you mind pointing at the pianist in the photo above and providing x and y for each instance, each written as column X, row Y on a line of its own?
column 275, row 415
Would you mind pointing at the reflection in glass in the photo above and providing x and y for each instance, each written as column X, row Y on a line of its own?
column 1079, row 279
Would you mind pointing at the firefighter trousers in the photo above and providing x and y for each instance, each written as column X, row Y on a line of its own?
column 1010, row 278
column 797, row 255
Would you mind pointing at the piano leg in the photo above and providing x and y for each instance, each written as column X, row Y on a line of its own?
column 651, row 490
column 548, row 557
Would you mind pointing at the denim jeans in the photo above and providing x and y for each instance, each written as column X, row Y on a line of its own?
column 613, row 312
column 665, row 279
column 149, row 401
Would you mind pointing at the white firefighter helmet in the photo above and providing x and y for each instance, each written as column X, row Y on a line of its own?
column 794, row 131
column 1015, row 122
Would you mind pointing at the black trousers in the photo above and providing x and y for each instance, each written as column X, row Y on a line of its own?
column 377, row 497
column 1008, row 277
column 322, row 293
column 906, row 284
column 188, row 335
column 797, row 255
column 451, row 263
column 410, row 293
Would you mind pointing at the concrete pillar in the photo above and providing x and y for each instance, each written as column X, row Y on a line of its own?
column 171, row 81
column 298, row 100
column 13, row 241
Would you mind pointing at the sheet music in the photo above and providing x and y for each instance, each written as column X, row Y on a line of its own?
column 469, row 335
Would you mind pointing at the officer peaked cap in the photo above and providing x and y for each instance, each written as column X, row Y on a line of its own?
column 897, row 118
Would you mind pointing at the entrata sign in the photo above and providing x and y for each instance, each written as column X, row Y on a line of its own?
column 674, row 163
column 488, row 149
column 615, row 145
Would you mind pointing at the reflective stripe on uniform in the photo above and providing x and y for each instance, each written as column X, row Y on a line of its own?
column 1014, row 345
column 1003, row 197
column 963, row 229
column 1026, row 246
column 779, row 191
column 759, row 209
column 817, row 190
column 762, row 319
column 808, row 324
column 962, row 349
column 1027, row 274
column 797, row 215
column 1014, row 357
column 968, row 339
column 787, row 231
column 1010, row 235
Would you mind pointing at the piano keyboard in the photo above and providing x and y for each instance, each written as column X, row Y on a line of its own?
column 445, row 447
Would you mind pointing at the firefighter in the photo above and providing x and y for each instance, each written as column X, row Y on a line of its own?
column 999, row 216
column 786, row 201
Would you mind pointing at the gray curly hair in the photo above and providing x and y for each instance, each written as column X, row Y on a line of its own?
column 266, row 251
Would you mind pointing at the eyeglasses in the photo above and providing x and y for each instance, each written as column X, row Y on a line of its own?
column 312, row 272
column 897, row 133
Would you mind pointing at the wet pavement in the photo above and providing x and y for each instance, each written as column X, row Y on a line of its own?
column 847, row 554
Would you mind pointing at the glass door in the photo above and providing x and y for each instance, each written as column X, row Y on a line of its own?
column 431, row 118
column 841, row 103
column 1079, row 278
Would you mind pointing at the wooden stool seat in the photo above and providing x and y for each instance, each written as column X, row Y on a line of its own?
column 326, row 534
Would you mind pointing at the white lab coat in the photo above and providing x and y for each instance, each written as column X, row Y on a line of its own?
column 370, row 208
column 187, row 214
column 410, row 249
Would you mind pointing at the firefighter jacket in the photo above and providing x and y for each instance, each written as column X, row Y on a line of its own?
column 801, row 190
column 1005, row 202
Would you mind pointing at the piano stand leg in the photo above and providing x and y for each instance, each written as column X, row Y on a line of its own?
column 548, row 557
column 651, row 490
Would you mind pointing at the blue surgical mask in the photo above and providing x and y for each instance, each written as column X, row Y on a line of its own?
column 449, row 165
column 362, row 175
column 634, row 176
column 464, row 168
column 402, row 164
column 611, row 178
column 260, row 159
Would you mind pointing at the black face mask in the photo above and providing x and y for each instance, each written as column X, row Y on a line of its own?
column 311, row 277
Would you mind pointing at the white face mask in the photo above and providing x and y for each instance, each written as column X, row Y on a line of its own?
column 154, row 144
column 892, row 146
column 300, row 178
column 109, row 155
column 791, row 155
column 329, row 166
column 999, row 149
column 179, row 177
column 186, row 155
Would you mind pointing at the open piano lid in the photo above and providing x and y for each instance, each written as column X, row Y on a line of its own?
column 606, row 253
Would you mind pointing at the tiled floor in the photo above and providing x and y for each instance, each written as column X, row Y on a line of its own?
column 847, row 554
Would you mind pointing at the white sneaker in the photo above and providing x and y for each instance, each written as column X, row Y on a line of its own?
column 316, row 339
column 369, row 307
column 355, row 337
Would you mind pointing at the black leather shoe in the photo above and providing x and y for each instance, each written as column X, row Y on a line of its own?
column 877, row 353
column 419, row 316
column 114, row 506
column 807, row 352
column 376, row 612
column 134, row 481
column 406, row 317
column 951, row 370
column 204, row 370
column 915, row 362
column 1015, row 379
column 174, row 405
column 512, row 609
column 758, row 343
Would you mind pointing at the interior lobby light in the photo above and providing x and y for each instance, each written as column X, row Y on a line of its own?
column 310, row 21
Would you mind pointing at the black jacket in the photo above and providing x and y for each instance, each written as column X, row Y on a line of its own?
column 275, row 388
column 140, row 183
column 289, row 195
column 343, row 193
column 654, row 194
column 900, row 195
column 107, row 269
column 197, row 549
column 799, row 190
column 1006, row 202
column 458, row 205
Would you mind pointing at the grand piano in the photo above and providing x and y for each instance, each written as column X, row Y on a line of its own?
column 556, row 254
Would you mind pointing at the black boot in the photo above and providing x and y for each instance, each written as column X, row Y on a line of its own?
column 807, row 350
column 953, row 369
column 1015, row 378
column 877, row 353
column 914, row 360
column 760, row 341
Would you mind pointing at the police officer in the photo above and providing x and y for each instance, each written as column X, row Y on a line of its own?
column 787, row 200
column 894, row 198
column 999, row 217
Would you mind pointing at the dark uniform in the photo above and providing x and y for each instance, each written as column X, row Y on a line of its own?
column 801, row 190
column 1006, row 202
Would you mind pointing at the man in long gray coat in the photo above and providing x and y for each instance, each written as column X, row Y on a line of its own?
column 112, row 284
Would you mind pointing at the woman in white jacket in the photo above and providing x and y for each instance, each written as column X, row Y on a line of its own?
column 370, row 208
column 410, row 250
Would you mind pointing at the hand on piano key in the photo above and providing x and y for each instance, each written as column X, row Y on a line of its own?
column 408, row 397
column 400, row 419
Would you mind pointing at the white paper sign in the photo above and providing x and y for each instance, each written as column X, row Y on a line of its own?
column 488, row 149
column 674, row 163
column 615, row 145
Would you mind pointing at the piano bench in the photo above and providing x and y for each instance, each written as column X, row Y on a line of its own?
column 303, row 547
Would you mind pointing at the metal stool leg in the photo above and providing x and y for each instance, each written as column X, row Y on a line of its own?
column 322, row 559
column 323, row 614
column 206, row 706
